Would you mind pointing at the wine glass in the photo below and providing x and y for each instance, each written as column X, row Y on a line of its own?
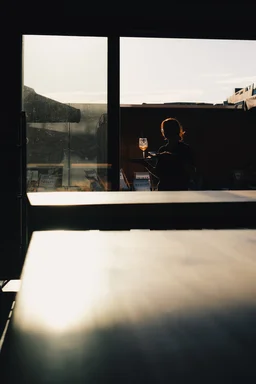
column 143, row 144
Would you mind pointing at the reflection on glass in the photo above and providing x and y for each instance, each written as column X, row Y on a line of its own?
column 65, row 97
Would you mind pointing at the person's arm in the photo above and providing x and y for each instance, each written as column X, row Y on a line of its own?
column 152, row 169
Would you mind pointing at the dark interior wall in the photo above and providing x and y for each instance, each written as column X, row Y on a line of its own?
column 222, row 139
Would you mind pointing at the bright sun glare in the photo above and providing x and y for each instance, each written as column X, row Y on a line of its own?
column 55, row 302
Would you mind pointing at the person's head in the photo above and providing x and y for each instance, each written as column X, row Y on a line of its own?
column 172, row 130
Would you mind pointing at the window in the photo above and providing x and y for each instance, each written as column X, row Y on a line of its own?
column 193, row 80
column 65, row 100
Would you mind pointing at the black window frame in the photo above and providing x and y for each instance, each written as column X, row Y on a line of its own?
column 113, row 29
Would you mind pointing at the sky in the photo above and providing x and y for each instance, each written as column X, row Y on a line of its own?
column 152, row 70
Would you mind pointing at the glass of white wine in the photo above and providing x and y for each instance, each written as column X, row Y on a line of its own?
column 143, row 144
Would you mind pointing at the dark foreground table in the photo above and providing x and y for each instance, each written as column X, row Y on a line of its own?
column 135, row 307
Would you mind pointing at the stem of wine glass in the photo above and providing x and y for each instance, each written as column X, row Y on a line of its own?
column 143, row 154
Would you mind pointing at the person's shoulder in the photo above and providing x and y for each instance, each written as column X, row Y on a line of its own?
column 184, row 145
column 162, row 149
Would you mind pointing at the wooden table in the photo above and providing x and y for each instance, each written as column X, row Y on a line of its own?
column 135, row 307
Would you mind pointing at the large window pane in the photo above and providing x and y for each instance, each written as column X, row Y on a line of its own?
column 65, row 100
column 210, row 87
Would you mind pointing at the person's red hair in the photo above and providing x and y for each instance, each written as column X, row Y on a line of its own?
column 181, row 131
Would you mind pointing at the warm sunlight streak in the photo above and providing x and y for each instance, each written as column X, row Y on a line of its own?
column 86, row 279
column 63, row 284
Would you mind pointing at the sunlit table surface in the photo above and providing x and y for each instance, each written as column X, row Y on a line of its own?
column 147, row 209
column 135, row 306
column 132, row 197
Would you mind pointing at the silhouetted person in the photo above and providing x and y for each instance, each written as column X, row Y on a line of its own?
column 175, row 165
